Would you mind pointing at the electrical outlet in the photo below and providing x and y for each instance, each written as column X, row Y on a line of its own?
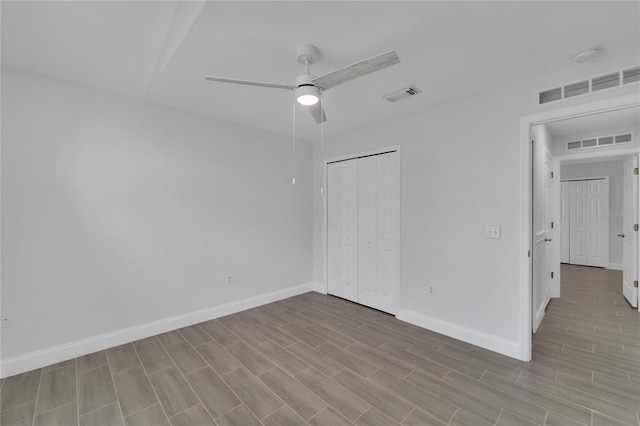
column 432, row 291
column 493, row 232
column 6, row 319
column 229, row 279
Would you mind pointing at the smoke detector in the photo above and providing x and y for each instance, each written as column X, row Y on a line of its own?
column 586, row 55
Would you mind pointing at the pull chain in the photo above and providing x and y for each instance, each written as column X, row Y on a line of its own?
column 293, row 172
column 322, row 140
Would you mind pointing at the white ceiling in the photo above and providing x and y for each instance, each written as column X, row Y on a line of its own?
column 161, row 50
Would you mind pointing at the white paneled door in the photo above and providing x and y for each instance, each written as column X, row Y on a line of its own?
column 588, row 222
column 377, row 225
column 629, row 235
column 543, row 233
column 578, row 222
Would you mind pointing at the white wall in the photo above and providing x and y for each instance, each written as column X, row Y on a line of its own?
column 613, row 169
column 460, row 168
column 118, row 213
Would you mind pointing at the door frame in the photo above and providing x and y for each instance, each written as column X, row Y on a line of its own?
column 325, row 209
column 526, row 216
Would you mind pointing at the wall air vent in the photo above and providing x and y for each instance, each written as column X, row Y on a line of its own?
column 407, row 92
column 599, row 142
column 551, row 95
column 576, row 89
column 631, row 75
column 628, row 76
column 606, row 81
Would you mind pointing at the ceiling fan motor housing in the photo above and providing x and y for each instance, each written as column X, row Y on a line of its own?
column 305, row 80
column 307, row 53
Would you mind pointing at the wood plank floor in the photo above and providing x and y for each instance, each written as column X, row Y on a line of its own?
column 320, row 360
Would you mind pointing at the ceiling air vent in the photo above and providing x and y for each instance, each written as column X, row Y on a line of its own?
column 606, row 81
column 407, row 92
column 599, row 141
column 631, row 75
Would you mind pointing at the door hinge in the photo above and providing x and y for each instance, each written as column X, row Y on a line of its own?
column 551, row 175
column 635, row 284
column 635, row 227
column 635, row 171
column 551, row 225
column 529, row 253
column 552, row 275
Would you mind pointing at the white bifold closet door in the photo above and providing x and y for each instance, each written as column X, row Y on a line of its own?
column 363, row 252
column 588, row 222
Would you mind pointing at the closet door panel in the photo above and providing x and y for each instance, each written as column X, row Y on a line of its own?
column 342, row 206
column 367, row 226
column 598, row 223
column 388, row 232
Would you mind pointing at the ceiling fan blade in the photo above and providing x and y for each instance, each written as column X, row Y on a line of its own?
column 249, row 82
column 317, row 112
column 356, row 70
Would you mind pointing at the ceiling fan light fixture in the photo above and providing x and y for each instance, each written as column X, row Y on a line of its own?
column 307, row 95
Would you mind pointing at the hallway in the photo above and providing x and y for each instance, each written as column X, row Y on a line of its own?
column 591, row 337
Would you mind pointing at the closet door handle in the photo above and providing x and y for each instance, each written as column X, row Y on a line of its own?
column 621, row 235
column 546, row 240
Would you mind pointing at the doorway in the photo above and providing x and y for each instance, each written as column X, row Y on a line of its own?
column 589, row 112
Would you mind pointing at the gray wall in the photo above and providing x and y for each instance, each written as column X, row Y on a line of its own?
column 613, row 169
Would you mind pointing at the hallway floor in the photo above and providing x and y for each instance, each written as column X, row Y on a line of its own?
column 319, row 360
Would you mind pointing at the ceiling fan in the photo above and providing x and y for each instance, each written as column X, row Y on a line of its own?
column 307, row 87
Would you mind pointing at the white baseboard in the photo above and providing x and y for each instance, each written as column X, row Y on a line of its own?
column 616, row 266
column 466, row 334
column 42, row 358
column 319, row 287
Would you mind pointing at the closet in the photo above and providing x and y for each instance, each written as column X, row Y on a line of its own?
column 584, row 222
column 363, row 230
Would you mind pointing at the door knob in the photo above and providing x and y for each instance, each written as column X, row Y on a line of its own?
column 546, row 240
column 621, row 235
